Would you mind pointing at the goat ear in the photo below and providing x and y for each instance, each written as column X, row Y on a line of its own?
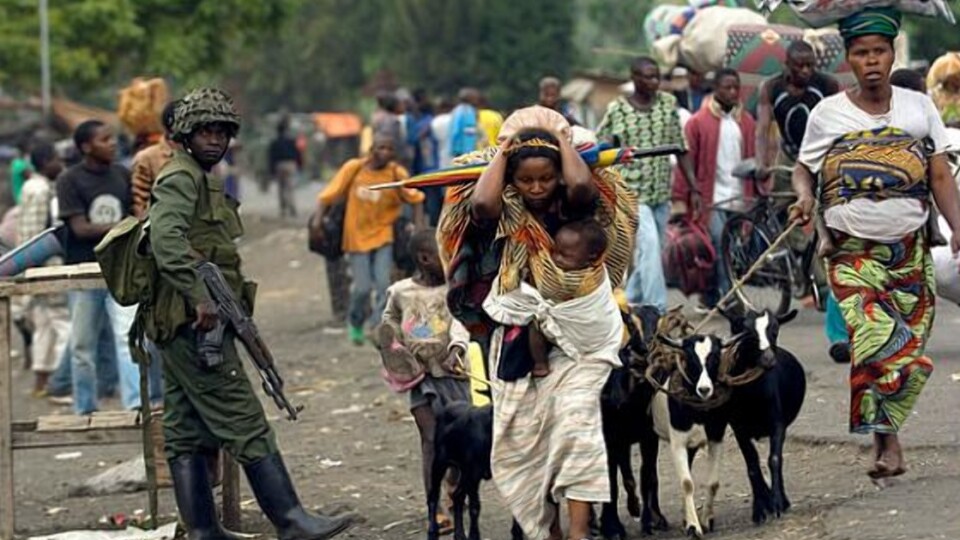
column 669, row 341
column 787, row 317
column 732, row 340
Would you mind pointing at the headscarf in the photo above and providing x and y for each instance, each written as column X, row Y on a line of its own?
column 872, row 21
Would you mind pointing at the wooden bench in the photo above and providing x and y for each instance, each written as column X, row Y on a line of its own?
column 99, row 429
column 106, row 428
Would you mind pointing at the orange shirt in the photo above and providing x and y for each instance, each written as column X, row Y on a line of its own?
column 369, row 217
column 146, row 166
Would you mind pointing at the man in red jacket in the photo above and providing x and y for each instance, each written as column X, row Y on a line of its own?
column 719, row 136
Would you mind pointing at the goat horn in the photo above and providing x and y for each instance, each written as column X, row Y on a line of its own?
column 732, row 340
column 669, row 341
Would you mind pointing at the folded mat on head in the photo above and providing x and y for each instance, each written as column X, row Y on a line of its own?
column 819, row 13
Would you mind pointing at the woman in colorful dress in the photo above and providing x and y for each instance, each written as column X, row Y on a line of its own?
column 878, row 151
column 498, row 233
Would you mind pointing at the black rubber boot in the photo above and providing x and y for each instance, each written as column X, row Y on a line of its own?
column 191, row 485
column 274, row 490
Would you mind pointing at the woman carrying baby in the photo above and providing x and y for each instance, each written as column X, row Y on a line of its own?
column 497, row 241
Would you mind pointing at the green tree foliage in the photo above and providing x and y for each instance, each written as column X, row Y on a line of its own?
column 319, row 59
column 94, row 42
column 329, row 49
column 929, row 39
column 500, row 46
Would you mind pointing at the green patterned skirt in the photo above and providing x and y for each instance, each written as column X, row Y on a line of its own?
column 886, row 294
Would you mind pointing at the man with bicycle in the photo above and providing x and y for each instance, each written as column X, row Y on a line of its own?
column 787, row 99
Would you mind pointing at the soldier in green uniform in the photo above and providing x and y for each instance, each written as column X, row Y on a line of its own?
column 207, row 408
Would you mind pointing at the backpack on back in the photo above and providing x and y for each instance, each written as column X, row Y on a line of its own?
column 126, row 262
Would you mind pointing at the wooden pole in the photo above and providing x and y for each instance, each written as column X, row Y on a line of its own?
column 7, row 509
column 231, row 492
column 149, row 457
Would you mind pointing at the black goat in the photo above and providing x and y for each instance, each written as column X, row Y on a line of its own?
column 625, row 405
column 767, row 406
column 463, row 441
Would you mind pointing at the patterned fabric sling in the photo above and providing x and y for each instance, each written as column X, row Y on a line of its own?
column 880, row 164
column 518, row 247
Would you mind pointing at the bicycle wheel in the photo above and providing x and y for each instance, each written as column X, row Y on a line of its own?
column 743, row 242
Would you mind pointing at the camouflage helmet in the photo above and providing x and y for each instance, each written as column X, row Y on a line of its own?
column 204, row 106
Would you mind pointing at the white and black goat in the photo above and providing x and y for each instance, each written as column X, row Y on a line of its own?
column 767, row 406
column 685, row 425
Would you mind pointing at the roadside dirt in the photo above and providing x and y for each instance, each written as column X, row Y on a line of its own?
column 355, row 448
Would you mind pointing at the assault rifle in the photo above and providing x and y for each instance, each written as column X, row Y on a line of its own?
column 230, row 312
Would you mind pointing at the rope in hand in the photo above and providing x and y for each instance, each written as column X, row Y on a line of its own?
column 460, row 369
column 761, row 261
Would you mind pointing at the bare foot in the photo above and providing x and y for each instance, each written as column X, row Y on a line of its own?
column 540, row 370
column 900, row 464
column 890, row 461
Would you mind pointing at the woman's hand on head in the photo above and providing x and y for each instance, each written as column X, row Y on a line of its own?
column 507, row 143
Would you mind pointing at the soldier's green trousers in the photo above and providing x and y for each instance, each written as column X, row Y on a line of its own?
column 206, row 409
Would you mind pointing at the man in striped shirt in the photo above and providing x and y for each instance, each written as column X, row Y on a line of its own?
column 49, row 313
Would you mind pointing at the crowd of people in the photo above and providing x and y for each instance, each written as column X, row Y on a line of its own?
column 79, row 351
column 493, row 236
column 521, row 260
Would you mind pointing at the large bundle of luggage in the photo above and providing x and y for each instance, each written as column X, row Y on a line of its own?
column 670, row 20
column 141, row 104
column 759, row 52
column 702, row 44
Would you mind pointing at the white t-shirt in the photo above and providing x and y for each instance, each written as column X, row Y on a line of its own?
column 727, row 189
column 684, row 118
column 836, row 116
column 440, row 126
column 946, row 268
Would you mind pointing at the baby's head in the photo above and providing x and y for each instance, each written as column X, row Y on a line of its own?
column 578, row 245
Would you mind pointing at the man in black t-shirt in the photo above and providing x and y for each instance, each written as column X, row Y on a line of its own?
column 285, row 161
column 787, row 99
column 93, row 196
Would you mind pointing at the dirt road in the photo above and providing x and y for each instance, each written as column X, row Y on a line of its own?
column 356, row 450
